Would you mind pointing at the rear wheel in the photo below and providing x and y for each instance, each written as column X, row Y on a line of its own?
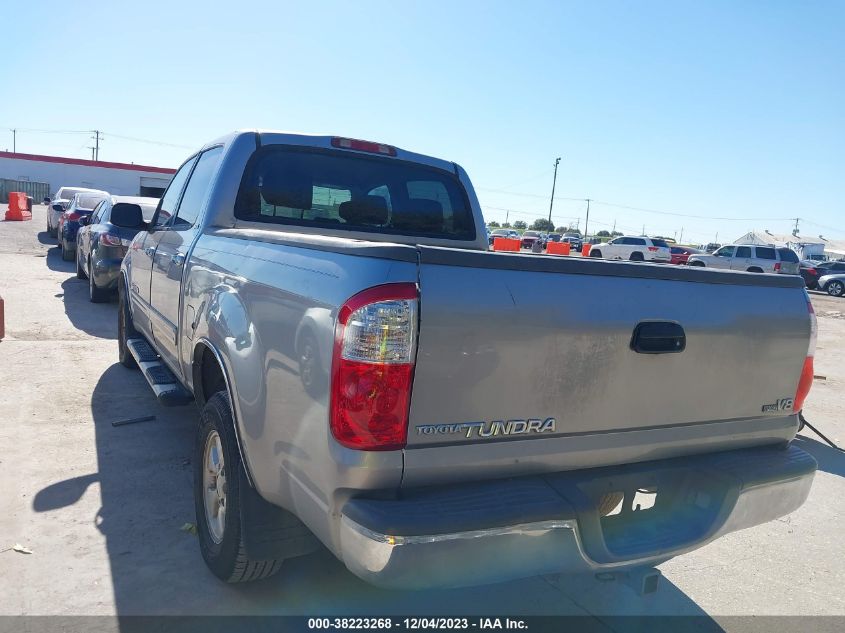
column 95, row 293
column 67, row 254
column 696, row 263
column 636, row 257
column 754, row 269
column 125, row 330
column 835, row 288
column 80, row 274
column 217, row 497
column 595, row 253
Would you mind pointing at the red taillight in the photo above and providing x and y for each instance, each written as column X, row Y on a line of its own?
column 653, row 249
column 373, row 367
column 73, row 215
column 777, row 267
column 109, row 240
column 805, row 382
column 812, row 271
column 363, row 146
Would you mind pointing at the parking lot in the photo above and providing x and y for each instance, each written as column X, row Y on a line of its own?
column 102, row 507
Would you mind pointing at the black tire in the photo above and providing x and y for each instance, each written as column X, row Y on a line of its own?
column 80, row 274
column 227, row 558
column 835, row 288
column 754, row 269
column 595, row 253
column 636, row 257
column 697, row 263
column 67, row 254
column 95, row 293
column 125, row 330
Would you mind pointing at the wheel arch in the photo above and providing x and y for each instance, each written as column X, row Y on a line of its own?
column 210, row 372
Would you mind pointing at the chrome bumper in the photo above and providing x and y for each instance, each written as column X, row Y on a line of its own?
column 555, row 545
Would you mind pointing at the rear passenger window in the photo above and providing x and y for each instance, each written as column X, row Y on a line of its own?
column 197, row 189
column 636, row 241
column 167, row 206
column 764, row 252
column 788, row 255
column 744, row 251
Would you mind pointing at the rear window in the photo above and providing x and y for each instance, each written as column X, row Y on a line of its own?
column 661, row 243
column 788, row 255
column 88, row 202
column 339, row 190
column 764, row 252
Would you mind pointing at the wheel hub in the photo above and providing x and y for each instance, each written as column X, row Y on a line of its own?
column 214, row 484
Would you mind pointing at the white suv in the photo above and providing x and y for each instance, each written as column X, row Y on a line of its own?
column 636, row 249
column 750, row 258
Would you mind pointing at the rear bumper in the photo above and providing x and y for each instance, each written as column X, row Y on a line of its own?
column 480, row 533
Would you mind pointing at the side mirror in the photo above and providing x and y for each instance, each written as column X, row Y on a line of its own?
column 85, row 220
column 46, row 200
column 58, row 208
column 127, row 216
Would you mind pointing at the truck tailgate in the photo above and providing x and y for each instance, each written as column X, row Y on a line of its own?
column 526, row 363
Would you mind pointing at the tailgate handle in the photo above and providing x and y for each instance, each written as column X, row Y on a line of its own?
column 658, row 337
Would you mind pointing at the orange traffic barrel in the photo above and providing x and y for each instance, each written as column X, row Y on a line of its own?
column 505, row 244
column 558, row 248
column 18, row 207
column 585, row 250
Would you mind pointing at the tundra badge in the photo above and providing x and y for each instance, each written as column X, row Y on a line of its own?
column 490, row 429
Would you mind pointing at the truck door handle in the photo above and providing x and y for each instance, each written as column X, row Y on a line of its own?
column 658, row 337
column 150, row 251
column 178, row 259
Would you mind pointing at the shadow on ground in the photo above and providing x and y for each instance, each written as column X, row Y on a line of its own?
column 45, row 238
column 830, row 460
column 144, row 475
column 96, row 319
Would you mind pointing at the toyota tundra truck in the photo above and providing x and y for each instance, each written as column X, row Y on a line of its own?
column 371, row 379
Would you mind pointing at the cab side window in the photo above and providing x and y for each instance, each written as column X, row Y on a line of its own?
column 725, row 251
column 170, row 199
column 197, row 189
column 743, row 251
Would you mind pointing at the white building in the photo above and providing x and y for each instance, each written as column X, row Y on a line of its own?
column 806, row 246
column 116, row 178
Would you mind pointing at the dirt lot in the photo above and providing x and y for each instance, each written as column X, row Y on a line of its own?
column 101, row 507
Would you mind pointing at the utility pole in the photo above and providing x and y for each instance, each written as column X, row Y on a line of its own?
column 14, row 141
column 92, row 151
column 507, row 213
column 587, row 221
column 643, row 233
column 96, row 137
column 681, row 240
column 795, row 230
column 554, row 182
column 613, row 230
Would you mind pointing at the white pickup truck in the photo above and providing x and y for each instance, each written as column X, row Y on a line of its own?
column 373, row 380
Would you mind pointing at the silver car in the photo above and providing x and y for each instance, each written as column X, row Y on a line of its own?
column 834, row 285
column 750, row 258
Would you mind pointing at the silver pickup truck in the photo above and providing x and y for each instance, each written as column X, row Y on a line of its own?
column 372, row 379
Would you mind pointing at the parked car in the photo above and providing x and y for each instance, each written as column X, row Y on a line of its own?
column 529, row 238
column 680, row 254
column 826, row 268
column 81, row 205
column 499, row 233
column 101, row 245
column 634, row 248
column 59, row 203
column 750, row 258
column 833, row 284
column 809, row 271
column 514, row 234
column 712, row 247
column 358, row 391
column 575, row 241
column 554, row 237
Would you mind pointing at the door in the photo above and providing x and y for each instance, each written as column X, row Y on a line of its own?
column 742, row 258
column 722, row 258
column 144, row 246
column 171, row 253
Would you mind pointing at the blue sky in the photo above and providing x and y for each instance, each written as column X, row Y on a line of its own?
column 718, row 109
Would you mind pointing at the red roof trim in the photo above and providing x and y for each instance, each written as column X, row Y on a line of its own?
column 87, row 163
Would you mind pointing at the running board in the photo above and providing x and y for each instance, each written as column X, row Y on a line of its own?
column 166, row 387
